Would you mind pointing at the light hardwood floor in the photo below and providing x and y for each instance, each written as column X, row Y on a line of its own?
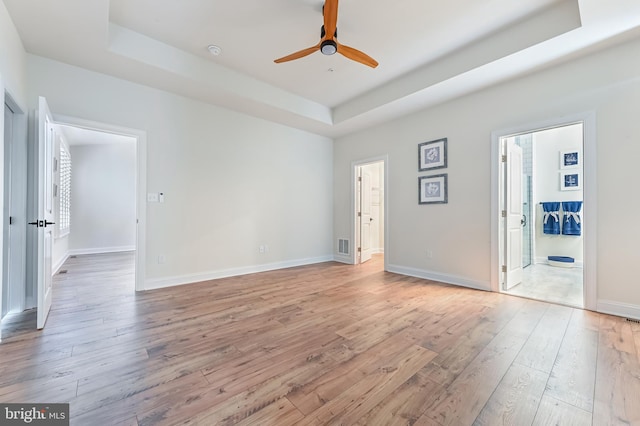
column 315, row 345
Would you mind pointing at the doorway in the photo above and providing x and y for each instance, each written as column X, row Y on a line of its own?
column 370, row 210
column 109, row 167
column 542, row 202
column 24, row 161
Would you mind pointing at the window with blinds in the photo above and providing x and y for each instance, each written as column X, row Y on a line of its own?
column 65, row 191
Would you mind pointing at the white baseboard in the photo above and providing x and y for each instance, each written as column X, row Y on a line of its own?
column 155, row 283
column 619, row 309
column 440, row 277
column 59, row 264
column 100, row 250
column 343, row 259
column 378, row 251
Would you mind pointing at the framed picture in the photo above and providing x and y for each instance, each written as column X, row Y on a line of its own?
column 569, row 159
column 570, row 181
column 432, row 155
column 432, row 189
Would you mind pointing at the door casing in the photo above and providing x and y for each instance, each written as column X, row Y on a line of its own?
column 354, row 214
column 588, row 120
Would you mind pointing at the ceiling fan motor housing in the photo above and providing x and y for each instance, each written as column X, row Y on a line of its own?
column 328, row 47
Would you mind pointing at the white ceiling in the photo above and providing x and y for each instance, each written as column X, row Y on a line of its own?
column 428, row 52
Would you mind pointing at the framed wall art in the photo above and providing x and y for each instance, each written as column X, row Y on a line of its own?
column 432, row 189
column 570, row 181
column 569, row 159
column 432, row 155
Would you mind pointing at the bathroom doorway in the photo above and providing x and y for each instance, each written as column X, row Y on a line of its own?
column 541, row 225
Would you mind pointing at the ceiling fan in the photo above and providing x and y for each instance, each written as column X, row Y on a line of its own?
column 328, row 44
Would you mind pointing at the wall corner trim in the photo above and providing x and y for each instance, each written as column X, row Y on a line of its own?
column 156, row 283
column 440, row 277
column 620, row 309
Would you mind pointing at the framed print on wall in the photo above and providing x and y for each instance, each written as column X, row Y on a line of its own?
column 432, row 155
column 569, row 159
column 432, row 189
column 570, row 181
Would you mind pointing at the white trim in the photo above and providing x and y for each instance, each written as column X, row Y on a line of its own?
column 156, row 283
column 100, row 250
column 588, row 120
column 343, row 259
column 352, row 202
column 619, row 309
column 59, row 263
column 141, row 184
column 440, row 277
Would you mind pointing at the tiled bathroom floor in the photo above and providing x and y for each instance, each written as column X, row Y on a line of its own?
column 551, row 284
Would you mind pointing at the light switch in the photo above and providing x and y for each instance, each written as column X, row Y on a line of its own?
column 152, row 197
column 161, row 197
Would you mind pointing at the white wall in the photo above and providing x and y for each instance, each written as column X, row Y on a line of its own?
column 12, row 59
column 231, row 182
column 547, row 145
column 103, row 198
column 459, row 233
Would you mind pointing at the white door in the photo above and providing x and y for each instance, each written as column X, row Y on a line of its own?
column 513, row 222
column 44, row 222
column 365, row 218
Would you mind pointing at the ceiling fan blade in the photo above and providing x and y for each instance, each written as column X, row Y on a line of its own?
column 297, row 55
column 356, row 55
column 330, row 12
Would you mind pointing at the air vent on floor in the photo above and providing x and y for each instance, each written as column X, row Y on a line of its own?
column 343, row 246
column 73, row 257
column 633, row 320
column 63, row 271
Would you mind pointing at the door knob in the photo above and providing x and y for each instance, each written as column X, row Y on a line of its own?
column 46, row 222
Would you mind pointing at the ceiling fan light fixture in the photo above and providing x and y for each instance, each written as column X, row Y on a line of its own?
column 329, row 47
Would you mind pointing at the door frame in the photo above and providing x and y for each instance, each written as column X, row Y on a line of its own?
column 141, row 183
column 588, row 120
column 18, row 296
column 17, row 244
column 384, row 159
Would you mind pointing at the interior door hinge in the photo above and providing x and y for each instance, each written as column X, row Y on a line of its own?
column 10, row 220
column 504, row 158
column 504, row 213
column 359, row 249
column 359, row 214
column 359, row 178
column 504, row 268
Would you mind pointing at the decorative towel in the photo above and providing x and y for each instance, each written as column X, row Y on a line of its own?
column 571, row 223
column 551, row 218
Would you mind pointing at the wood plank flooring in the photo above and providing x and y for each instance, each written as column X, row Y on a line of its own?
column 326, row 344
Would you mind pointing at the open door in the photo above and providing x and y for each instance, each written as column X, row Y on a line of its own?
column 514, row 212
column 365, row 218
column 44, row 221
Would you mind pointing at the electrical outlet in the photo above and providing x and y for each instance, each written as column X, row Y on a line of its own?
column 261, row 249
column 429, row 254
column 161, row 259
